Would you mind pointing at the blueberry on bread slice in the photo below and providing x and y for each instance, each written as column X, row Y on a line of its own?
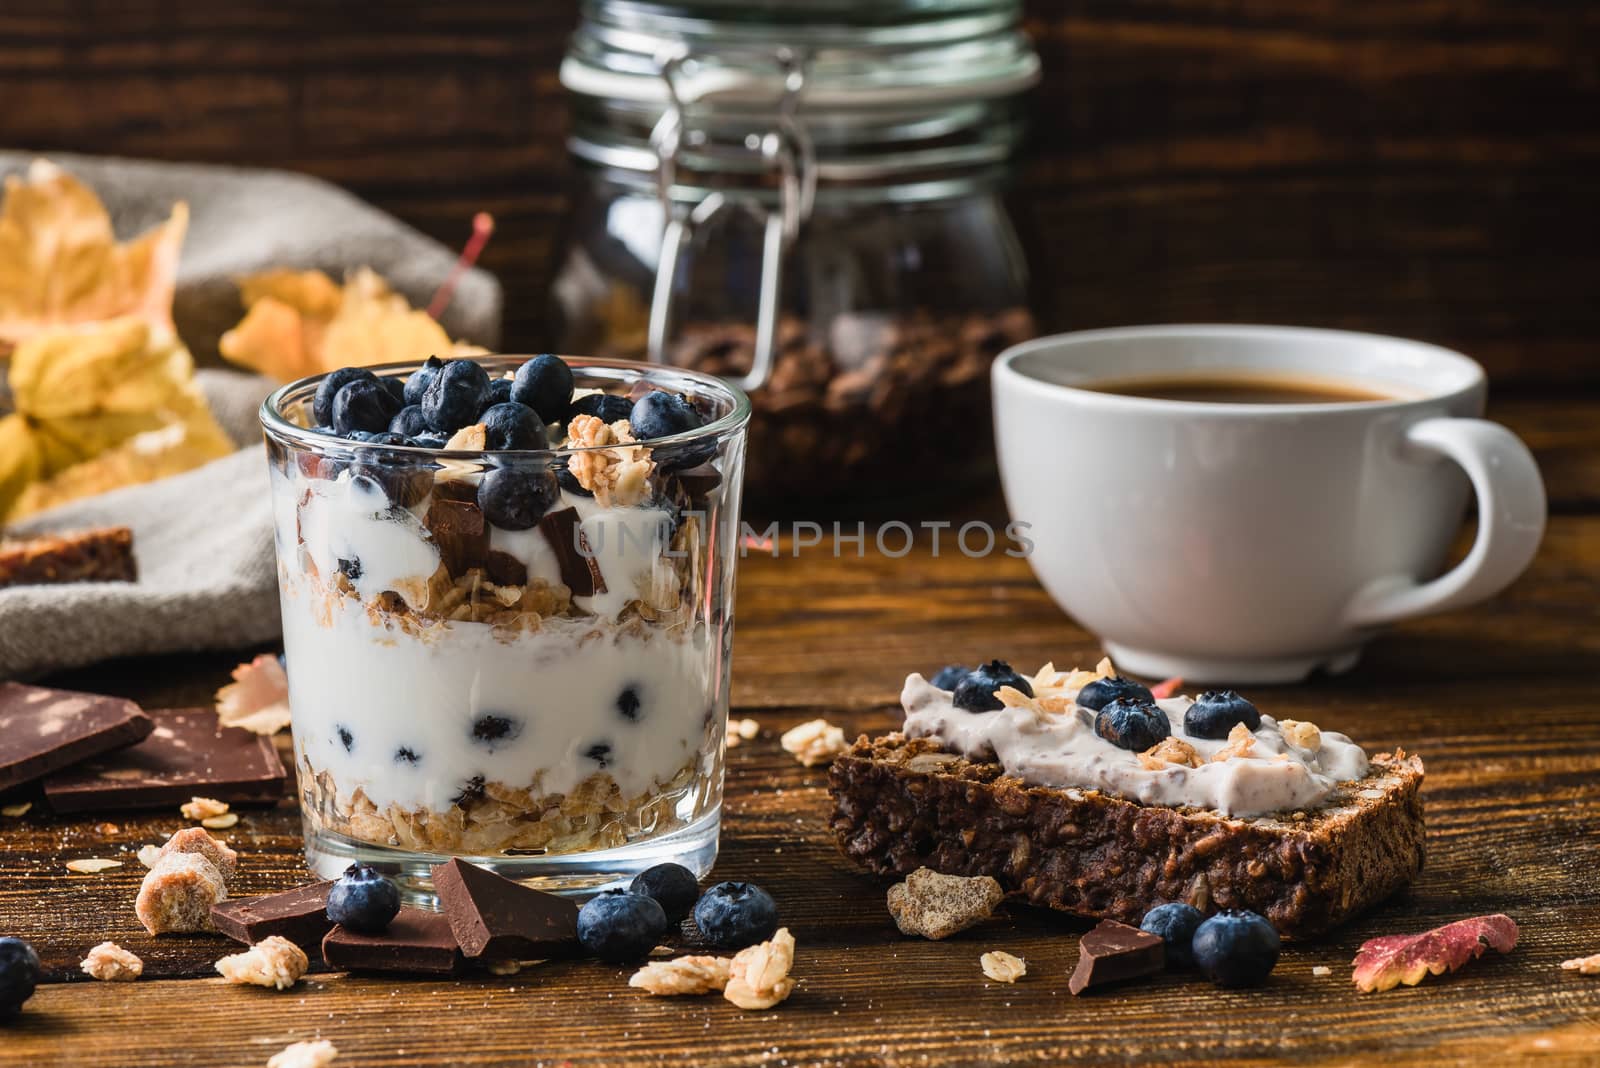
column 1112, row 810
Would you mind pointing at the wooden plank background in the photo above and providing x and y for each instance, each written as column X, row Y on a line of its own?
column 1423, row 167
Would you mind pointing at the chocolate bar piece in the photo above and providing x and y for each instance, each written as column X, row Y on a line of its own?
column 102, row 555
column 187, row 754
column 300, row 915
column 581, row 573
column 43, row 730
column 497, row 919
column 1112, row 952
column 460, row 533
column 416, row 943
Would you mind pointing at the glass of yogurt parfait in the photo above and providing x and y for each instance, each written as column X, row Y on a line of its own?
column 507, row 592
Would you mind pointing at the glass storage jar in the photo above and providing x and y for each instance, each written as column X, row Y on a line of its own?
column 804, row 196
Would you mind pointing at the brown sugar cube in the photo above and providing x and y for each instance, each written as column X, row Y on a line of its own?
column 177, row 894
column 196, row 840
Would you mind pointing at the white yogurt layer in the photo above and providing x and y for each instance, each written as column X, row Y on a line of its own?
column 415, row 709
column 1062, row 751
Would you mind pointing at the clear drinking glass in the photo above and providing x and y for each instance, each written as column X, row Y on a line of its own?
column 548, row 701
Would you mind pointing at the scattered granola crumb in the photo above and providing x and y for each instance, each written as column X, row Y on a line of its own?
column 1583, row 965
column 318, row 1054
column 92, row 865
column 937, row 906
column 1170, row 750
column 1002, row 967
column 758, row 976
column 1322, row 969
column 274, row 961
column 199, row 808
column 222, row 822
column 474, row 438
column 149, row 854
column 110, row 963
column 1240, row 742
column 196, row 840
column 14, row 811
column 177, row 894
column 742, row 730
column 814, row 742
column 683, row 975
column 1300, row 733
column 504, row 967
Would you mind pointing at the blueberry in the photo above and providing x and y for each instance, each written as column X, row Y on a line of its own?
column 499, row 393
column 395, row 387
column 1215, row 712
column 673, row 886
column 606, row 407
column 660, row 414
column 1129, row 723
column 949, row 677
column 455, row 396
column 407, row 755
column 1175, row 923
column 600, row 753
column 417, row 383
column 408, row 422
column 628, row 704
column 322, row 402
column 471, row 791
column 346, row 739
column 570, row 483
column 515, row 499
column 512, row 426
column 1101, row 692
column 735, row 915
column 362, row 900
column 490, row 730
column 975, row 691
column 403, row 480
column 1236, row 948
column 428, row 440
column 358, row 435
column 19, row 974
column 363, row 405
column 544, row 384
column 618, row 926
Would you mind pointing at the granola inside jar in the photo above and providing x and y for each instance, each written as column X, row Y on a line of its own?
column 807, row 201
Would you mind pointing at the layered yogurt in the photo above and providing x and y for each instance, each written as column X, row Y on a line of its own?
column 1050, row 740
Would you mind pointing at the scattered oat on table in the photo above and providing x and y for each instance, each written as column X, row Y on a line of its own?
column 758, row 977
column 13, row 811
column 92, row 865
column 199, row 808
column 814, row 742
column 274, row 961
column 110, row 963
column 1002, row 967
column 742, row 730
column 937, row 906
column 317, row 1054
column 1322, row 969
column 683, row 975
column 1583, row 965
column 220, row 823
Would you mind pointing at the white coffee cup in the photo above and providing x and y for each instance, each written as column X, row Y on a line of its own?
column 1244, row 542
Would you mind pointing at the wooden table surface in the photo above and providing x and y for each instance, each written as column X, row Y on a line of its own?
column 1498, row 699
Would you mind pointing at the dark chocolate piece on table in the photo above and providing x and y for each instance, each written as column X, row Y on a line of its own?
column 43, row 730
column 300, row 915
column 1112, row 952
column 186, row 755
column 460, row 532
column 580, row 573
column 498, row 919
column 416, row 942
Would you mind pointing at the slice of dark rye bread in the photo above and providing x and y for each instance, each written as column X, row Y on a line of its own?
column 901, row 804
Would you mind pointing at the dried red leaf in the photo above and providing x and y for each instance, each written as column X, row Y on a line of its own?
column 1162, row 690
column 1384, row 963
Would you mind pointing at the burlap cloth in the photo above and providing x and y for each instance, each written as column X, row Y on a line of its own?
column 203, row 540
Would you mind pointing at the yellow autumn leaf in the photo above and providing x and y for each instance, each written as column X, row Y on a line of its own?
column 60, row 263
column 298, row 323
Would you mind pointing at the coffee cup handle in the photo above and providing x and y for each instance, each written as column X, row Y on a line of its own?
column 1511, row 517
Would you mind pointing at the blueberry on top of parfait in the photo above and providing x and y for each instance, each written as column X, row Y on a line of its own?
column 322, row 401
column 1132, row 724
column 606, row 407
column 455, row 396
column 417, row 382
column 511, row 426
column 1101, row 692
column 976, row 690
column 363, row 404
column 545, row 385
column 1216, row 712
column 948, row 677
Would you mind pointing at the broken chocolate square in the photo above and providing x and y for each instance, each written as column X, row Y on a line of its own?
column 186, row 754
column 43, row 730
column 416, row 942
column 497, row 919
column 1112, row 952
column 300, row 915
column 579, row 571
column 460, row 532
